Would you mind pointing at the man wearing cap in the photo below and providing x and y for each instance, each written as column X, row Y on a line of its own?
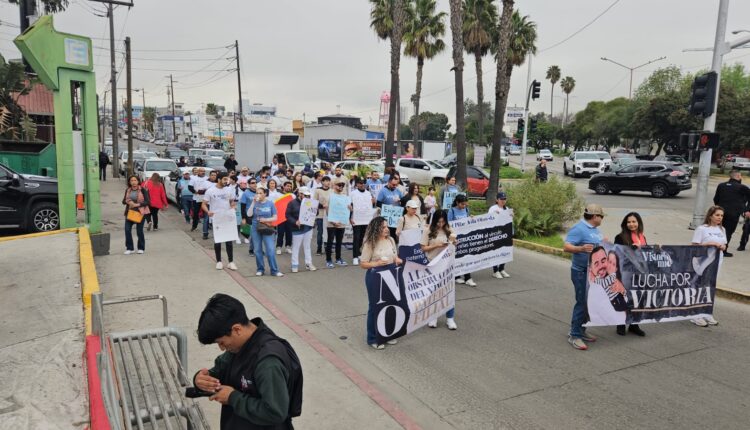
column 500, row 206
column 580, row 241
column 301, row 234
column 244, row 175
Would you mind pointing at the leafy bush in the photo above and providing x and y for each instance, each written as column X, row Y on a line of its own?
column 541, row 209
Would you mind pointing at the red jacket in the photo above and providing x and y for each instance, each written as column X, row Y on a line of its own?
column 157, row 193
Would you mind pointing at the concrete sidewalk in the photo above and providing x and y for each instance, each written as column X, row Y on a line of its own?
column 177, row 267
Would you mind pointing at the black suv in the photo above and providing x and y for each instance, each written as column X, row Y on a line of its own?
column 28, row 202
column 661, row 179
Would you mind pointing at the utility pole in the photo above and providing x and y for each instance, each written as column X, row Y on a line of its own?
column 130, row 105
column 239, row 83
column 174, row 119
column 113, row 84
column 526, row 116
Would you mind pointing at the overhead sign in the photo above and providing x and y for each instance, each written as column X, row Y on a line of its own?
column 513, row 114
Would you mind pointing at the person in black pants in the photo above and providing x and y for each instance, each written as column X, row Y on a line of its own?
column 335, row 231
column 360, row 198
column 733, row 197
column 103, row 163
column 631, row 234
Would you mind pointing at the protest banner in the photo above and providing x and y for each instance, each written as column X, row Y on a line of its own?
column 391, row 214
column 308, row 210
column 225, row 226
column 362, row 208
column 483, row 241
column 448, row 198
column 375, row 189
column 650, row 284
column 409, row 248
column 407, row 297
column 338, row 208
column 281, row 203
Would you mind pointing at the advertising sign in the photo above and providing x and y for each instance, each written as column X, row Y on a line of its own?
column 329, row 149
column 363, row 149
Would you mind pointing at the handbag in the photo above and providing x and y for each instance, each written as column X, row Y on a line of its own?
column 135, row 216
column 245, row 230
column 264, row 229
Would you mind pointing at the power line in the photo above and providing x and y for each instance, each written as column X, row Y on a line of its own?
column 615, row 85
column 582, row 28
column 228, row 73
column 181, row 50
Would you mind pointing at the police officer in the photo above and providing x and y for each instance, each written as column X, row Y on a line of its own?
column 733, row 197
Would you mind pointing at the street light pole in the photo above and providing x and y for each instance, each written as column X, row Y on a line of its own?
column 630, row 92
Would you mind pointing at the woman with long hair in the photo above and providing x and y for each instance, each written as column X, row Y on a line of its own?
column 158, row 200
column 712, row 234
column 135, row 199
column 412, row 194
column 297, row 181
column 263, row 213
column 273, row 190
column 434, row 240
column 379, row 249
column 631, row 234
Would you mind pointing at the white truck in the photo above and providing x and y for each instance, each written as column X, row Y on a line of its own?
column 435, row 150
column 256, row 149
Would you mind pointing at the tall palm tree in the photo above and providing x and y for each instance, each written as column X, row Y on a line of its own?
column 479, row 21
column 553, row 74
column 387, row 18
column 458, row 72
column 522, row 41
column 567, row 85
column 422, row 41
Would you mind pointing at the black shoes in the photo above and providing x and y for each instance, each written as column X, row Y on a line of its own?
column 728, row 254
column 621, row 330
column 741, row 248
column 633, row 329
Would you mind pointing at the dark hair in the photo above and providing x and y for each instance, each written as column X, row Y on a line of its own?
column 439, row 214
column 707, row 220
column 317, row 174
column 133, row 176
column 431, row 189
column 625, row 233
column 221, row 175
column 218, row 317
column 412, row 186
column 594, row 251
column 394, row 174
column 588, row 217
column 325, row 178
column 460, row 198
column 372, row 233
column 618, row 275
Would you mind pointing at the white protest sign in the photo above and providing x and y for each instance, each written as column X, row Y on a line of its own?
column 308, row 210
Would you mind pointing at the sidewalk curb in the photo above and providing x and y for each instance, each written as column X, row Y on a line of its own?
column 723, row 292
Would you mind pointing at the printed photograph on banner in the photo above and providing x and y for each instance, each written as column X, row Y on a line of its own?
column 448, row 198
column 338, row 209
column 308, row 210
column 483, row 241
column 225, row 226
column 391, row 214
column 650, row 284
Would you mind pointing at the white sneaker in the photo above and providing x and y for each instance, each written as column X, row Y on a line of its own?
column 497, row 275
column 231, row 266
column 278, row 274
column 432, row 323
column 247, row 240
column 392, row 342
column 710, row 320
column 505, row 274
column 140, row 251
column 451, row 324
column 258, row 273
column 288, row 250
column 355, row 262
column 294, row 269
column 700, row 322
column 310, row 267
column 238, row 242
column 471, row 283
column 128, row 252
column 278, row 251
column 460, row 280
column 219, row 265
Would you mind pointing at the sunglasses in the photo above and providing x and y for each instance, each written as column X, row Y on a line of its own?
column 263, row 177
column 253, row 183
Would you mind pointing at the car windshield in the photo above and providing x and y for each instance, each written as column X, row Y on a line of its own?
column 147, row 154
column 297, row 158
column 603, row 156
column 195, row 151
column 214, row 152
column 587, row 156
column 435, row 164
column 376, row 167
column 214, row 162
column 160, row 166
column 545, row 151
column 624, row 155
column 177, row 153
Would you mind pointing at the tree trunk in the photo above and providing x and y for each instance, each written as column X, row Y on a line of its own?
column 567, row 101
column 551, row 100
column 417, row 95
column 480, row 97
column 502, row 85
column 396, row 36
column 458, row 69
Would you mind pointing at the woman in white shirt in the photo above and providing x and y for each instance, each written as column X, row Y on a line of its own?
column 711, row 233
column 435, row 239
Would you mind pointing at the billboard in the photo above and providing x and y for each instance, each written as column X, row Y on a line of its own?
column 363, row 149
column 329, row 149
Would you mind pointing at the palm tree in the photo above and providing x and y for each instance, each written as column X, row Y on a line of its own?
column 458, row 71
column 422, row 41
column 387, row 18
column 567, row 85
column 553, row 74
column 522, row 41
column 479, row 20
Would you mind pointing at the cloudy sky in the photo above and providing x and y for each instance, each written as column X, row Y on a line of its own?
column 310, row 56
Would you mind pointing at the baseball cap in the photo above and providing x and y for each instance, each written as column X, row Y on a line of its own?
column 412, row 204
column 304, row 190
column 593, row 209
column 501, row 196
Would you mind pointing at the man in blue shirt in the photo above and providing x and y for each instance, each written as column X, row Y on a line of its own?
column 391, row 195
column 580, row 241
column 246, row 199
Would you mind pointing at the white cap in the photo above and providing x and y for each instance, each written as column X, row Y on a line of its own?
column 304, row 190
column 412, row 204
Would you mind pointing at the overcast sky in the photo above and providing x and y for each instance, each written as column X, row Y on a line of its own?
column 308, row 56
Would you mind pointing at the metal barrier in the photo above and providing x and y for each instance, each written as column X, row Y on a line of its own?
column 142, row 374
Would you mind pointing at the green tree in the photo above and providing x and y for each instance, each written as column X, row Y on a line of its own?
column 387, row 18
column 432, row 125
column 479, row 21
column 553, row 74
column 212, row 109
column 471, row 120
column 422, row 41
column 149, row 117
column 456, row 15
column 567, row 85
column 14, row 123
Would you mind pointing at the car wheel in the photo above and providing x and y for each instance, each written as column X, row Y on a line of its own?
column 659, row 190
column 438, row 181
column 601, row 187
column 44, row 217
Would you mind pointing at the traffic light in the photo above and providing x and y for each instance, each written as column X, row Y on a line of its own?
column 532, row 125
column 703, row 98
column 535, row 88
column 521, row 125
column 708, row 140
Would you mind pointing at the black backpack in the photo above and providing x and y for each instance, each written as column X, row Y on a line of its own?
column 280, row 348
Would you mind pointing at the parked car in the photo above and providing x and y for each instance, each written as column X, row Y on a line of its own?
column 175, row 154
column 727, row 158
column 741, row 163
column 514, row 150
column 215, row 163
column 661, row 179
column 215, row 153
column 545, row 154
column 606, row 159
column 583, row 163
column 477, row 179
column 380, row 167
column 679, row 159
column 421, row 171
column 28, row 202
column 162, row 166
column 449, row 161
column 137, row 155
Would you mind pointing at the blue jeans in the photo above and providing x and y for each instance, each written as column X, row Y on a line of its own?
column 129, row 235
column 580, row 312
column 205, row 224
column 319, row 228
column 371, row 338
column 264, row 244
column 186, row 203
